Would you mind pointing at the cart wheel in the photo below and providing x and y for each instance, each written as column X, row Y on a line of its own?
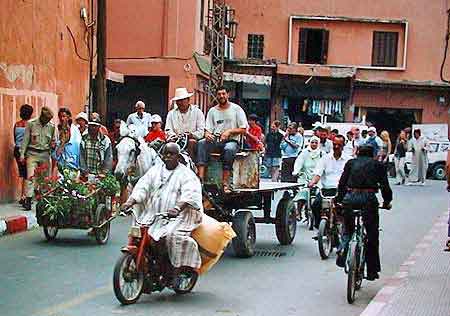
column 102, row 233
column 286, row 221
column 245, row 228
column 50, row 232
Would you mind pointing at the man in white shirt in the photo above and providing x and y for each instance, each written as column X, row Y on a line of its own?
column 140, row 119
column 185, row 118
column 328, row 171
column 226, row 123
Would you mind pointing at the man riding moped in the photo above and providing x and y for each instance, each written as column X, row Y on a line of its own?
column 328, row 172
column 174, row 189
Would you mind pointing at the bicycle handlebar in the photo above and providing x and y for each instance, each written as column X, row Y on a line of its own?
column 132, row 211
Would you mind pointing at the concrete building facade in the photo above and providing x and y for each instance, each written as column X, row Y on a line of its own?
column 38, row 66
column 347, row 59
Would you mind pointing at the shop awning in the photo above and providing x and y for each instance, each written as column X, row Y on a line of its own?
column 339, row 89
column 255, row 79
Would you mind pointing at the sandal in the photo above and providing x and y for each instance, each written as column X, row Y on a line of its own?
column 447, row 245
column 227, row 189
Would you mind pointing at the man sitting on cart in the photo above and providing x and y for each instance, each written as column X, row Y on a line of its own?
column 95, row 151
column 226, row 121
column 174, row 189
column 186, row 118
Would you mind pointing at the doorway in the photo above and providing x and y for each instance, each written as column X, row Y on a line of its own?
column 392, row 120
column 122, row 97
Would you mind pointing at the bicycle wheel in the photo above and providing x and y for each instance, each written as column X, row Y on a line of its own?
column 352, row 276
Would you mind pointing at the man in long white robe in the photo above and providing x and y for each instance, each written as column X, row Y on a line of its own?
column 419, row 147
column 174, row 189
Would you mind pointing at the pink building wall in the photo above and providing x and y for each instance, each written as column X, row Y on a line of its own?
column 38, row 66
column 156, row 38
column 427, row 25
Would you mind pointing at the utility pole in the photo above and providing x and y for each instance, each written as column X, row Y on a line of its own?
column 101, row 60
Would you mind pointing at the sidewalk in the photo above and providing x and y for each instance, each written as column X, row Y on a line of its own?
column 422, row 285
column 14, row 219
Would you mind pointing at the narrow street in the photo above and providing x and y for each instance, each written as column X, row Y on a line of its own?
column 73, row 276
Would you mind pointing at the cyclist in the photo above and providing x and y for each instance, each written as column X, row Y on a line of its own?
column 358, row 185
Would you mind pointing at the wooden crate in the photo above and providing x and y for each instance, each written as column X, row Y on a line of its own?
column 245, row 173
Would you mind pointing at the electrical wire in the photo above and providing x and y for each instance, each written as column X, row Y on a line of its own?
column 75, row 45
column 447, row 39
column 150, row 57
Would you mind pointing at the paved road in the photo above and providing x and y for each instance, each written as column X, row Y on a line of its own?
column 72, row 276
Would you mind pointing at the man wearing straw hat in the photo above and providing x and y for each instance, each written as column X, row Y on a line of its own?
column 185, row 118
column 140, row 119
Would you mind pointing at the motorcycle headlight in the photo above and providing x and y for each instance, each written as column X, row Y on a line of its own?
column 135, row 232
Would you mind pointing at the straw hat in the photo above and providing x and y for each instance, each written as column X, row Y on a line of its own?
column 83, row 116
column 181, row 93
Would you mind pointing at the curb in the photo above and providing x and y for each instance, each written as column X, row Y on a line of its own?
column 385, row 295
column 18, row 223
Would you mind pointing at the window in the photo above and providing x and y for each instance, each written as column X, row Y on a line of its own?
column 313, row 46
column 384, row 49
column 255, row 48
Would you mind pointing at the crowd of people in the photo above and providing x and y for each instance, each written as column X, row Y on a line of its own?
column 283, row 151
column 84, row 144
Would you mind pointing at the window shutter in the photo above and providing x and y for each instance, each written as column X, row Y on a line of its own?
column 302, row 46
column 324, row 52
column 384, row 49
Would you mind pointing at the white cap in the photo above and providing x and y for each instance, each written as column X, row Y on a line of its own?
column 372, row 129
column 139, row 104
column 82, row 115
column 181, row 93
column 155, row 119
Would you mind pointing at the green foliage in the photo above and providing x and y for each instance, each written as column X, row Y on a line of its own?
column 67, row 196
column 109, row 185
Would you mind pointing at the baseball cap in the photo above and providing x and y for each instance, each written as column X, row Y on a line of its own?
column 372, row 129
column 156, row 119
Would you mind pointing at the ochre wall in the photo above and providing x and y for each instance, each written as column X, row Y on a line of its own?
column 426, row 101
column 350, row 43
column 38, row 66
column 427, row 27
column 156, row 38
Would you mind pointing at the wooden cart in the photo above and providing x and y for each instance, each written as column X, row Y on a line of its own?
column 249, row 195
column 83, row 215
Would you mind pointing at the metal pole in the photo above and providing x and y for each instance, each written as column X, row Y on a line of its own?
column 90, row 107
column 101, row 59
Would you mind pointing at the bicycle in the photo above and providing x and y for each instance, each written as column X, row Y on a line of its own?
column 356, row 256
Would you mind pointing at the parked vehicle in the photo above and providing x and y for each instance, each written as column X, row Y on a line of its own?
column 437, row 157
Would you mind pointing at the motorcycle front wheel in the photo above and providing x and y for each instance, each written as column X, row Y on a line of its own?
column 185, row 281
column 127, row 281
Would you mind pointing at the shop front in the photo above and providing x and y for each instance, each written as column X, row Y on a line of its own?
column 305, row 100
